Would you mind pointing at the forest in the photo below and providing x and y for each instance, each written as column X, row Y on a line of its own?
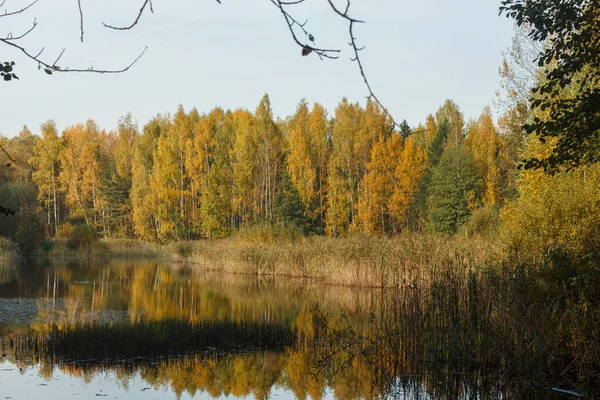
column 197, row 176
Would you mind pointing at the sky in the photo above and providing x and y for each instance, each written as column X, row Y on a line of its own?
column 204, row 54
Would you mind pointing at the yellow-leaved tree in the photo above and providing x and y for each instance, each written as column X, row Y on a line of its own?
column 552, row 211
column 343, row 178
column 307, row 159
column 46, row 170
column 80, row 173
column 408, row 174
column 485, row 145
column 144, row 200
column 244, row 168
column 170, row 180
column 378, row 184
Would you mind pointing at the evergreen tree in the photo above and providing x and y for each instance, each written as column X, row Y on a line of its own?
column 289, row 207
column 454, row 186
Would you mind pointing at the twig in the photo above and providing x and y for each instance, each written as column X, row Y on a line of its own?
column 357, row 59
column 11, row 37
column 6, row 14
column 55, row 68
column 291, row 21
column 146, row 2
column 80, row 18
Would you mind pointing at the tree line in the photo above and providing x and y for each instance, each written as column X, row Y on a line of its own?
column 193, row 175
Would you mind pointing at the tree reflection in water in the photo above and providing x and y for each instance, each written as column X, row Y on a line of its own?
column 458, row 336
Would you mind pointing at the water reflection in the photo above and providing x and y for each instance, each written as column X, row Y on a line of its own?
column 178, row 333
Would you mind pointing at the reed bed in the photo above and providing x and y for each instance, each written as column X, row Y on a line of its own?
column 501, row 325
column 355, row 261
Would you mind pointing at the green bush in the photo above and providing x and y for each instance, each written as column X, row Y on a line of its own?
column 484, row 221
column 82, row 237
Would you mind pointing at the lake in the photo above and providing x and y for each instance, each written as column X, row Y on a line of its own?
column 147, row 329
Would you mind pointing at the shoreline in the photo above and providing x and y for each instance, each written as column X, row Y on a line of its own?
column 355, row 261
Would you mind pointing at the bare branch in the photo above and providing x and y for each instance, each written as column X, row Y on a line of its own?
column 58, row 58
column 291, row 22
column 11, row 37
column 306, row 48
column 80, row 18
column 53, row 67
column 345, row 13
column 146, row 2
column 362, row 72
column 329, row 53
column 6, row 14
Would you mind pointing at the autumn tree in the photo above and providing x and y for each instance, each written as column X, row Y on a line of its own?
column 342, row 182
column 143, row 199
column 485, row 145
column 46, row 163
column 378, row 184
column 80, row 171
column 245, row 168
column 307, row 158
column 170, row 180
column 217, row 190
column 570, row 30
column 117, row 153
column 270, row 147
column 409, row 172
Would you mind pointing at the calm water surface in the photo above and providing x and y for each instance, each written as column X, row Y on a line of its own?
column 125, row 329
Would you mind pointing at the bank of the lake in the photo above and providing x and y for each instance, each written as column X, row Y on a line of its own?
column 359, row 260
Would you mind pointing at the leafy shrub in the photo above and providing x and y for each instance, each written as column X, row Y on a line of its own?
column 484, row 221
column 65, row 231
column 554, row 211
column 82, row 237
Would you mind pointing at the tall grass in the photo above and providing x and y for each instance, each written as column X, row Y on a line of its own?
column 355, row 261
column 498, row 324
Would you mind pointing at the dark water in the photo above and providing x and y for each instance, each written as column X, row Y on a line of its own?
column 151, row 330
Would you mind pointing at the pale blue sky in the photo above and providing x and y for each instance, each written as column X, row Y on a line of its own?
column 202, row 54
